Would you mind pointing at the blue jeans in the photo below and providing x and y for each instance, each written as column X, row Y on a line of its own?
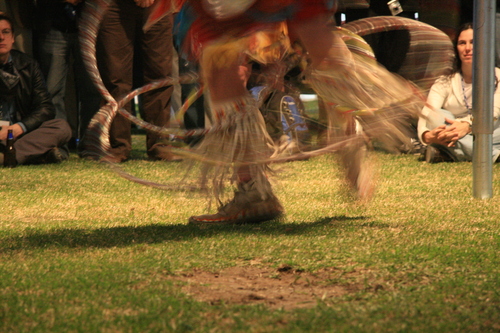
column 463, row 148
column 57, row 49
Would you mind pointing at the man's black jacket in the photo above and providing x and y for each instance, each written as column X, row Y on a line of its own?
column 32, row 101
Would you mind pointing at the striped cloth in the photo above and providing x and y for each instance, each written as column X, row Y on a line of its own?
column 429, row 51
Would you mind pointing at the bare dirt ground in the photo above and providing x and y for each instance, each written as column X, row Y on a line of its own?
column 284, row 287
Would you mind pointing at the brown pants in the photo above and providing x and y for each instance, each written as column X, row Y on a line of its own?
column 31, row 146
column 120, row 39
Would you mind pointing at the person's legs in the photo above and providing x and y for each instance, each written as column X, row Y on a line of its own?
column 245, row 141
column 89, row 98
column 31, row 147
column 226, row 85
column 54, row 63
column 330, row 55
column 463, row 148
column 496, row 141
column 115, row 52
column 370, row 93
column 157, row 49
column 463, row 151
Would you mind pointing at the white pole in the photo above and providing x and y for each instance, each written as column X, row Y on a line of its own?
column 483, row 79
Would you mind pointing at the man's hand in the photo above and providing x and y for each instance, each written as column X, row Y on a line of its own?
column 144, row 3
column 447, row 135
column 17, row 130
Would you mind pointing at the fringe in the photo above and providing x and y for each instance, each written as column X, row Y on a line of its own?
column 381, row 102
column 244, row 143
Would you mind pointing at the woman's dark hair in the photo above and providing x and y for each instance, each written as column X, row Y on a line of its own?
column 457, row 63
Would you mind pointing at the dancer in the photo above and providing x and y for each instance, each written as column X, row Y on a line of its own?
column 239, row 151
column 340, row 77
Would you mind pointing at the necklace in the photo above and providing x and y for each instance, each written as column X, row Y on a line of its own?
column 469, row 107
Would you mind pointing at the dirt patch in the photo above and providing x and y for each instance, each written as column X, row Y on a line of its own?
column 277, row 288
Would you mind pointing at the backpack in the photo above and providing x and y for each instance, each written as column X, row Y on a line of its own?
column 284, row 118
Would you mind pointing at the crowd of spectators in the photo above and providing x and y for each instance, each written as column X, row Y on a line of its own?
column 64, row 97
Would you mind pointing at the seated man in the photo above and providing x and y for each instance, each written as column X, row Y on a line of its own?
column 26, row 107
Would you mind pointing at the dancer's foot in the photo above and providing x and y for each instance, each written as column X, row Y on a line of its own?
column 358, row 171
column 247, row 206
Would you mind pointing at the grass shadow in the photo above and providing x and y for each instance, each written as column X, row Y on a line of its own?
column 157, row 233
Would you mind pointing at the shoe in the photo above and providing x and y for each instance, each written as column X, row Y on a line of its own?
column 496, row 157
column 435, row 155
column 53, row 156
column 415, row 147
column 358, row 169
column 247, row 206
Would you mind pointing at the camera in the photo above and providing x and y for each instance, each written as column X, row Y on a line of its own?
column 395, row 7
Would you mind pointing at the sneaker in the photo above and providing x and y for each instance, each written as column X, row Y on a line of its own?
column 496, row 159
column 247, row 206
column 435, row 155
column 415, row 148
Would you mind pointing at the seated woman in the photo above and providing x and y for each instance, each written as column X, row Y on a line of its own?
column 446, row 125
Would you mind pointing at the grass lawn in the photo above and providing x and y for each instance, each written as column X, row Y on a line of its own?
column 84, row 250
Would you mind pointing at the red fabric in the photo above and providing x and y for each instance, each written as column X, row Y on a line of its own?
column 207, row 28
column 161, row 8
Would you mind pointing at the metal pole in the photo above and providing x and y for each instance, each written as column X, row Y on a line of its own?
column 483, row 79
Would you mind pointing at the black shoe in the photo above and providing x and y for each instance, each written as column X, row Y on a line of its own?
column 53, row 156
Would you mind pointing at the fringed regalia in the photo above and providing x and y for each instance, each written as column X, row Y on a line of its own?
column 358, row 94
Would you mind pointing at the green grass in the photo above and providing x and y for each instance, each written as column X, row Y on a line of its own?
column 83, row 250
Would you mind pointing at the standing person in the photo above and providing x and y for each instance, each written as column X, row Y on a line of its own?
column 446, row 125
column 58, row 54
column 26, row 105
column 122, row 26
